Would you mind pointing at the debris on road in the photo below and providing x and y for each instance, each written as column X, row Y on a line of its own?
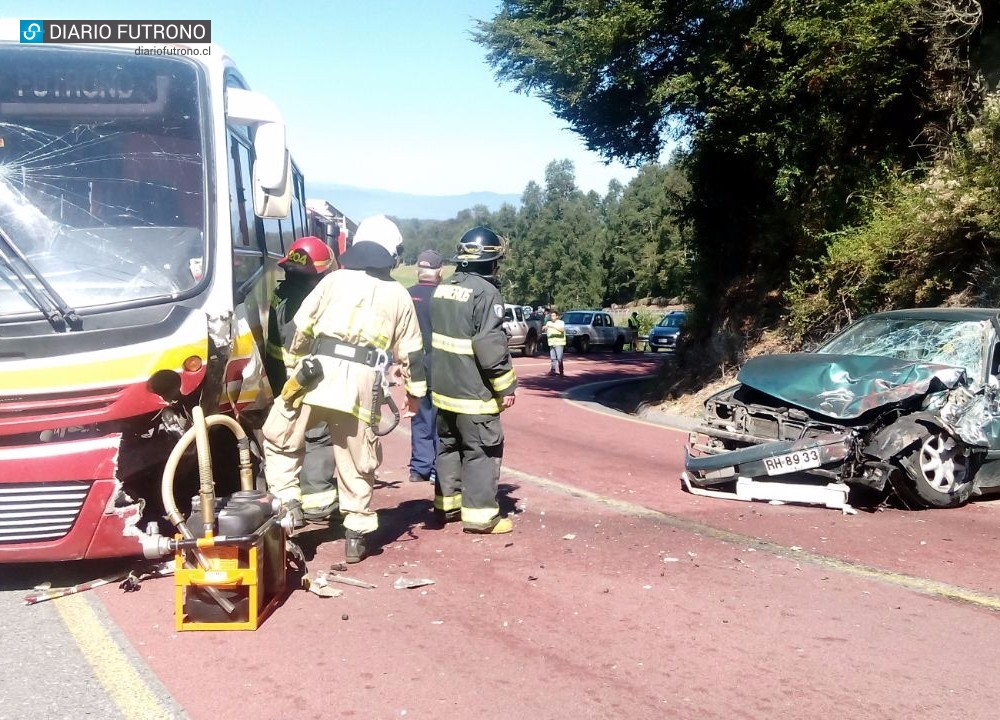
column 128, row 581
column 569, row 536
column 403, row 583
column 832, row 495
column 353, row 582
column 319, row 584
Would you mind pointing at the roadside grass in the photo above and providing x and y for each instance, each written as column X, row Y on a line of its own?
column 407, row 274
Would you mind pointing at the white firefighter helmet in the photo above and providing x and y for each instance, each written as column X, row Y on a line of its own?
column 382, row 231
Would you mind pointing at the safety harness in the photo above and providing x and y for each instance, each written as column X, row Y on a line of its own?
column 375, row 358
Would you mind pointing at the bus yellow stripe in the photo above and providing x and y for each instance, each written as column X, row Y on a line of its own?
column 97, row 369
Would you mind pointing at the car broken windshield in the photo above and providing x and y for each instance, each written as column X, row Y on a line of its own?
column 958, row 343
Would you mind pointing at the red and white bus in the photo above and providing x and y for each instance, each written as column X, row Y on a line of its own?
column 144, row 202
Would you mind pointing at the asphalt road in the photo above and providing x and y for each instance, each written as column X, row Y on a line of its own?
column 618, row 595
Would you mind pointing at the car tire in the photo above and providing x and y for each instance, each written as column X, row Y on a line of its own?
column 653, row 348
column 530, row 346
column 583, row 345
column 936, row 474
column 619, row 344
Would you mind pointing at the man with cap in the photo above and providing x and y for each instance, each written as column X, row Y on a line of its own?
column 350, row 323
column 423, row 425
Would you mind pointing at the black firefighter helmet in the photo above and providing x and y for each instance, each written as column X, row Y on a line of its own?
column 480, row 244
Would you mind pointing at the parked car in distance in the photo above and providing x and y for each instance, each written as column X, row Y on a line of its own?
column 666, row 334
column 589, row 328
column 523, row 331
column 906, row 400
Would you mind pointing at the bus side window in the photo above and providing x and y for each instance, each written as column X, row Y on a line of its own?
column 272, row 237
column 247, row 256
column 296, row 215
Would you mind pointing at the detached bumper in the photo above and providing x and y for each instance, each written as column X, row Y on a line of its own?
column 63, row 501
column 758, row 460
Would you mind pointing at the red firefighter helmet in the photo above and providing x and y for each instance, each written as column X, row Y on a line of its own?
column 308, row 255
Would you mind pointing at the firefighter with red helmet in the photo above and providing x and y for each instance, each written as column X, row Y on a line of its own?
column 310, row 488
column 473, row 382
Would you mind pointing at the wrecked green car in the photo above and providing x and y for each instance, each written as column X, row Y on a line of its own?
column 906, row 400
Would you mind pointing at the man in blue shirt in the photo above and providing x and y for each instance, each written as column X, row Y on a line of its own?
column 423, row 425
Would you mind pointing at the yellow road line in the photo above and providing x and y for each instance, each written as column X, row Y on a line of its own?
column 124, row 685
column 913, row 583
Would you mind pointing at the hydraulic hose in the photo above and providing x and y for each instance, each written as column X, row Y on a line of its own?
column 206, row 485
column 199, row 434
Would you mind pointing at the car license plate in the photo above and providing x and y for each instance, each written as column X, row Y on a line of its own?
column 792, row 462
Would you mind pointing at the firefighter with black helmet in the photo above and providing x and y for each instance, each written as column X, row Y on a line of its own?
column 308, row 487
column 473, row 382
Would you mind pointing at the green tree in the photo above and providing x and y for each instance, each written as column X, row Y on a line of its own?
column 647, row 252
column 556, row 244
column 794, row 115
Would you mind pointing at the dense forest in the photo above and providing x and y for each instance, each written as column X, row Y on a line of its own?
column 568, row 248
column 836, row 157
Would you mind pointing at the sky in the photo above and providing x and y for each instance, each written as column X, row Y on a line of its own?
column 381, row 94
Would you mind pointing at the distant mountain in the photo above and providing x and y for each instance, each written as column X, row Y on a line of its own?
column 359, row 203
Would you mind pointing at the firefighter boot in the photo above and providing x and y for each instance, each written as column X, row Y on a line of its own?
column 500, row 527
column 446, row 516
column 354, row 549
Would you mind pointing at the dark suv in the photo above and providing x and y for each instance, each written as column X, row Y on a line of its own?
column 666, row 334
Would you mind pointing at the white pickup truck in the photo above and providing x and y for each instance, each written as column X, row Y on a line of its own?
column 588, row 328
column 524, row 333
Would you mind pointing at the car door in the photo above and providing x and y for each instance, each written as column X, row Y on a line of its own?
column 606, row 329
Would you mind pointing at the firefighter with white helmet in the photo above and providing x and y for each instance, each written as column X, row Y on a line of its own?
column 350, row 323
column 308, row 487
column 473, row 382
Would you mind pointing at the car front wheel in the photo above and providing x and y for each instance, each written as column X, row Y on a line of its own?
column 936, row 474
column 583, row 345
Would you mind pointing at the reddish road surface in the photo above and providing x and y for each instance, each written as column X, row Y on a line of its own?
column 617, row 596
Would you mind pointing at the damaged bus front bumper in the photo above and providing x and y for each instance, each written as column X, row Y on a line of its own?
column 62, row 501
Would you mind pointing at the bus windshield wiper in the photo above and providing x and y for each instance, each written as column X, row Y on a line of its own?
column 56, row 310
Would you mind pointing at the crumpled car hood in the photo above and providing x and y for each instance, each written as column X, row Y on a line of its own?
column 844, row 387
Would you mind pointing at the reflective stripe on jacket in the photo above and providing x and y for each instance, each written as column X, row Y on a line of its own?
column 360, row 308
column 472, row 366
column 555, row 332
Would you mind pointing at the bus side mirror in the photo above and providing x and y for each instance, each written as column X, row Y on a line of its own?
column 272, row 172
column 272, row 167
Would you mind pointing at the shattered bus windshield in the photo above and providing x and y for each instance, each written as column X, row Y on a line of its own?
column 102, row 176
column 944, row 342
